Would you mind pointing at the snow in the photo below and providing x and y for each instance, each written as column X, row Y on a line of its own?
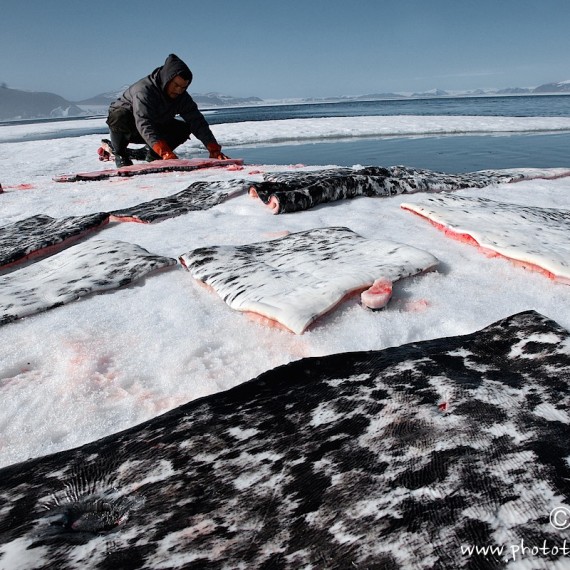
column 286, row 130
column 109, row 361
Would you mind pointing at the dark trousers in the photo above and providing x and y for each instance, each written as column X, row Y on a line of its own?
column 124, row 131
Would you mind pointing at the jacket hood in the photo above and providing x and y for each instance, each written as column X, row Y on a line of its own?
column 172, row 67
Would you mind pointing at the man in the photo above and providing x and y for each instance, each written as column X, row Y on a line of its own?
column 145, row 114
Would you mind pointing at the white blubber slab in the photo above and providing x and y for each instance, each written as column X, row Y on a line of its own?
column 537, row 238
column 295, row 279
column 93, row 266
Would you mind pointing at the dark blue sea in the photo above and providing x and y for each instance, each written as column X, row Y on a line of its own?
column 451, row 153
column 513, row 106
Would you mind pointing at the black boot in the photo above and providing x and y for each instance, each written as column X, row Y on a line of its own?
column 119, row 143
column 122, row 160
column 137, row 153
column 151, row 155
column 133, row 153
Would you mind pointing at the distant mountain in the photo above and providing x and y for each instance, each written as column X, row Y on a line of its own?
column 202, row 100
column 560, row 87
column 16, row 104
column 103, row 98
column 514, row 91
column 431, row 93
column 340, row 98
column 99, row 104
column 380, row 96
column 219, row 100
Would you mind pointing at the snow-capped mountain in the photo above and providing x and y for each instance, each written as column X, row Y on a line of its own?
column 17, row 104
column 102, row 101
column 558, row 87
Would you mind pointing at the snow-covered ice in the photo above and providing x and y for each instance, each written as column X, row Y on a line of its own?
column 109, row 361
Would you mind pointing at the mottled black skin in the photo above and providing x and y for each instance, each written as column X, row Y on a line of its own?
column 344, row 461
column 31, row 235
column 198, row 196
column 297, row 191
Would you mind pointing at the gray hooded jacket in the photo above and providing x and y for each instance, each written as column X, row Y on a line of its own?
column 151, row 107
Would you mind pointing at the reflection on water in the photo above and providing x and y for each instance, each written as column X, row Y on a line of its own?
column 447, row 154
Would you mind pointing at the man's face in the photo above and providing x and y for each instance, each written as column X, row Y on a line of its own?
column 176, row 87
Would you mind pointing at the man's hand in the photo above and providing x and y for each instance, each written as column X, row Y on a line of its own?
column 163, row 150
column 216, row 151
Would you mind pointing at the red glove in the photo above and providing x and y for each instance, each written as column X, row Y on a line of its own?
column 216, row 151
column 163, row 150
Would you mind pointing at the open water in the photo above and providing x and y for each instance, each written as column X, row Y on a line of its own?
column 513, row 106
column 451, row 154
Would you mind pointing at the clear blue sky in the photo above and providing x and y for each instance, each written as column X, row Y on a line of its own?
column 286, row 48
